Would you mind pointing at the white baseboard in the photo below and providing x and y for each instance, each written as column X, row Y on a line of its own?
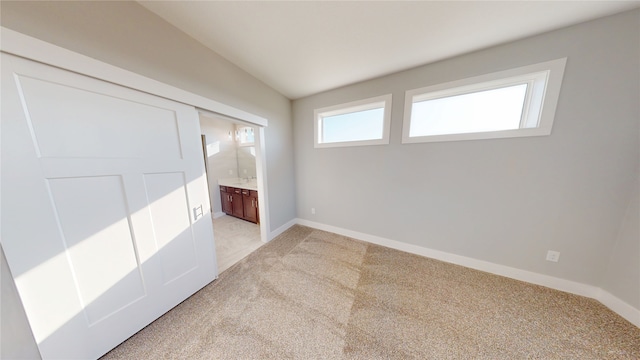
column 282, row 229
column 618, row 306
column 218, row 214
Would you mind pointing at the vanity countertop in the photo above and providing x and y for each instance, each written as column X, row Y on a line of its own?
column 251, row 184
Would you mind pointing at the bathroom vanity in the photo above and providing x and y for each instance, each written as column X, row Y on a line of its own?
column 240, row 199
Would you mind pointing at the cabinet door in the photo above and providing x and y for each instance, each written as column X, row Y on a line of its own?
column 225, row 199
column 250, row 207
column 236, row 199
column 254, row 195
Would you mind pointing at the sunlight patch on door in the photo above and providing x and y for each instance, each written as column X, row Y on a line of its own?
column 93, row 218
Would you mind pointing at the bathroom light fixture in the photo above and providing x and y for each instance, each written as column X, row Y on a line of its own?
column 237, row 137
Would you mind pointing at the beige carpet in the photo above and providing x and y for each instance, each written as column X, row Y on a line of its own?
column 310, row 294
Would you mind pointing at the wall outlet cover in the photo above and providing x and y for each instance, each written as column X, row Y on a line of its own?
column 553, row 256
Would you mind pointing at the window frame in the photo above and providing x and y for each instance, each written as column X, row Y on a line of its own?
column 383, row 101
column 543, row 88
column 241, row 138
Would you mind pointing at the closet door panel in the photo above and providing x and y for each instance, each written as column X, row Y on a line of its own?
column 105, row 221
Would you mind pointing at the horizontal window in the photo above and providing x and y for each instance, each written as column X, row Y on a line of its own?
column 363, row 122
column 512, row 103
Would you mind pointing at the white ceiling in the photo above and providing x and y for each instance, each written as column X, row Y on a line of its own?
column 301, row 48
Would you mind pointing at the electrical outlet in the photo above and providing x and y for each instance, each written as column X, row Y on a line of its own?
column 230, row 172
column 313, row 211
column 553, row 255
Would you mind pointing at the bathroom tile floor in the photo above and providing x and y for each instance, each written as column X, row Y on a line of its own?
column 235, row 239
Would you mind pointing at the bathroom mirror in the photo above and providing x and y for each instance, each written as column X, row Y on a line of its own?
column 245, row 151
column 246, row 156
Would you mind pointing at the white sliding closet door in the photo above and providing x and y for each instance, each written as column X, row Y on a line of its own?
column 104, row 207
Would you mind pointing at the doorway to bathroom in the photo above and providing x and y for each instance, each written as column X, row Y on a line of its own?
column 232, row 162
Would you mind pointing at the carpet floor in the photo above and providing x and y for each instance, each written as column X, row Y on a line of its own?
column 310, row 294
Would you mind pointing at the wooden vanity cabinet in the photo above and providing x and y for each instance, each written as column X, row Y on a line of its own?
column 241, row 203
column 250, row 200
column 236, row 202
column 225, row 199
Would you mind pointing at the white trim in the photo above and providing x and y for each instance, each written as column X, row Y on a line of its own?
column 18, row 44
column 618, row 306
column 217, row 215
column 377, row 102
column 544, row 80
column 282, row 229
column 263, row 194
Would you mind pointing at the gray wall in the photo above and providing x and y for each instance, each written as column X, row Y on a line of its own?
column 127, row 35
column 623, row 272
column 506, row 201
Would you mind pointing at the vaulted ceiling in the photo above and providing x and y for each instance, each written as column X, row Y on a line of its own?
column 301, row 48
